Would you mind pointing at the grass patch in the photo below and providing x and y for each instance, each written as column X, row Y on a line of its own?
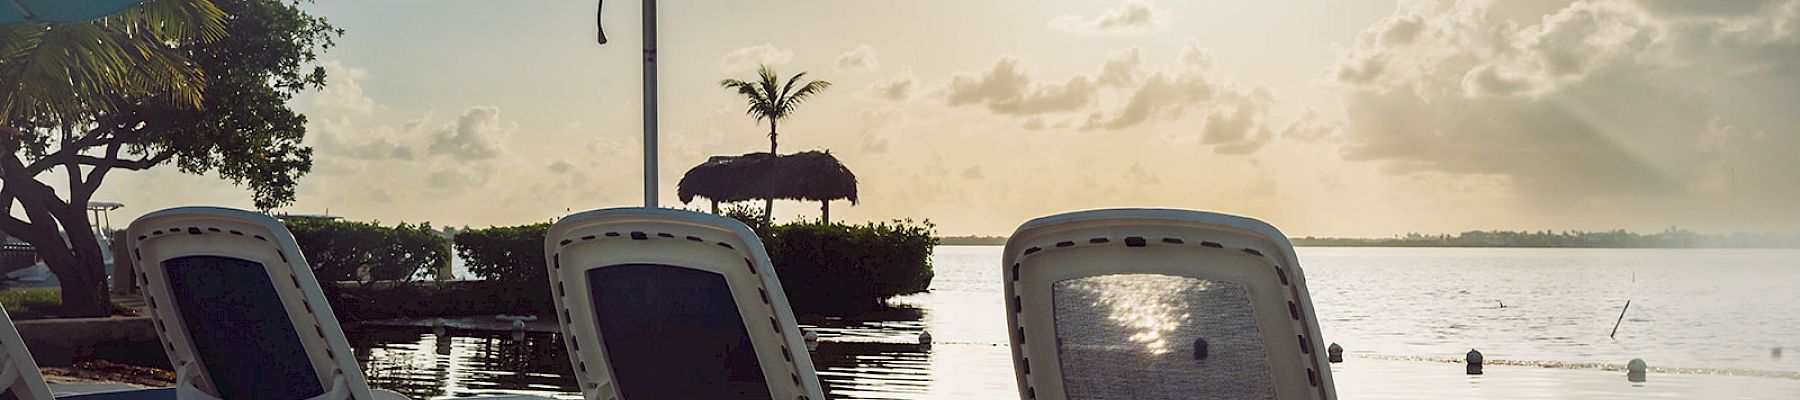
column 41, row 303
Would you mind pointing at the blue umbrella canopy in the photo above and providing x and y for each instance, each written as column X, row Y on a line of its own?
column 52, row 11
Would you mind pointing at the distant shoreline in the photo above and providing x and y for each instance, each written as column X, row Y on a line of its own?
column 1618, row 239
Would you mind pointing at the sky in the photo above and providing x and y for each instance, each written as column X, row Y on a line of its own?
column 1325, row 118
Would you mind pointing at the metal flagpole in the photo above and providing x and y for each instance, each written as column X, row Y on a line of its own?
column 650, row 198
column 650, row 104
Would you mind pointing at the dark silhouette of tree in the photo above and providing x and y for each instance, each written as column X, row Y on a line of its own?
column 239, row 127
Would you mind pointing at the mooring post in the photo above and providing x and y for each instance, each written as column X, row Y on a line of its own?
column 1201, row 349
column 1334, row 353
column 1636, row 370
column 1474, row 359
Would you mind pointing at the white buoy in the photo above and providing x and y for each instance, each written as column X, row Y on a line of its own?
column 1474, row 359
column 812, row 340
column 925, row 338
column 1636, row 370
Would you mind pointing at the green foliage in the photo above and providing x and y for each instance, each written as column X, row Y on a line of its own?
column 337, row 249
column 513, row 254
column 40, row 303
column 240, row 127
column 244, row 129
column 512, row 258
column 61, row 74
column 823, row 266
column 835, row 267
column 826, row 265
column 756, row 218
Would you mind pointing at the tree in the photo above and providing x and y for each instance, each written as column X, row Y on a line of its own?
column 767, row 99
column 240, row 128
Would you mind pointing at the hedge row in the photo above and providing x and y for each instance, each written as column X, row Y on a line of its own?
column 824, row 267
column 337, row 249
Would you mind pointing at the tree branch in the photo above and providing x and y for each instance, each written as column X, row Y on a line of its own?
column 72, row 147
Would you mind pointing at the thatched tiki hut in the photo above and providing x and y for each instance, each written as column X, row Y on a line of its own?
column 810, row 175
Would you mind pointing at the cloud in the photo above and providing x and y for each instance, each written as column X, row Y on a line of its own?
column 560, row 167
column 343, row 92
column 1006, row 88
column 1663, row 104
column 1195, row 56
column 381, row 143
column 1313, row 126
column 476, row 135
column 860, row 59
column 1126, row 92
column 897, row 88
column 973, row 173
column 1128, row 18
column 748, row 58
column 1162, row 94
column 876, row 125
column 1141, row 176
column 1707, row 8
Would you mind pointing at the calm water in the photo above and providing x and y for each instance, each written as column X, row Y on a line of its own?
column 1692, row 311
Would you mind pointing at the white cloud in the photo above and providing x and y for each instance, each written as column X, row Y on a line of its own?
column 343, row 92
column 897, row 88
column 1126, row 92
column 476, row 135
column 1606, row 101
column 860, row 59
column 1006, row 88
column 748, row 58
column 1129, row 17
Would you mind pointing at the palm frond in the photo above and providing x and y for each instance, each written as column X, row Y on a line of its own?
column 755, row 100
column 65, row 73
column 805, row 92
column 174, row 20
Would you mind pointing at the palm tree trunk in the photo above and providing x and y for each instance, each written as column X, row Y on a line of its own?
column 825, row 211
column 769, row 204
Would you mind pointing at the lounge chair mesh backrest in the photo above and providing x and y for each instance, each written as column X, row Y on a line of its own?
column 19, row 376
column 661, row 304
column 1169, row 304
column 238, row 309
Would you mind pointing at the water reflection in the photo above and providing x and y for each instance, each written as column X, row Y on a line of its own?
column 1117, row 337
column 421, row 364
column 872, row 355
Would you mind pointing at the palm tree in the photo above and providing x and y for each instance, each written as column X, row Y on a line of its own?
column 767, row 99
column 58, row 75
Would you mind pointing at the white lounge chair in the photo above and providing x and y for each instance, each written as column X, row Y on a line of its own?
column 669, row 304
column 21, row 380
column 1160, row 304
column 238, row 309
column 19, row 376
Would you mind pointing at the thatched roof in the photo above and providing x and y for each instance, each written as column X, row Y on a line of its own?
column 811, row 175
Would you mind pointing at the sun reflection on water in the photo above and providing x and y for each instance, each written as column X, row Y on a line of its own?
column 1151, row 306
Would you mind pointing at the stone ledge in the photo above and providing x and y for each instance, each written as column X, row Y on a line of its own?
column 58, row 342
